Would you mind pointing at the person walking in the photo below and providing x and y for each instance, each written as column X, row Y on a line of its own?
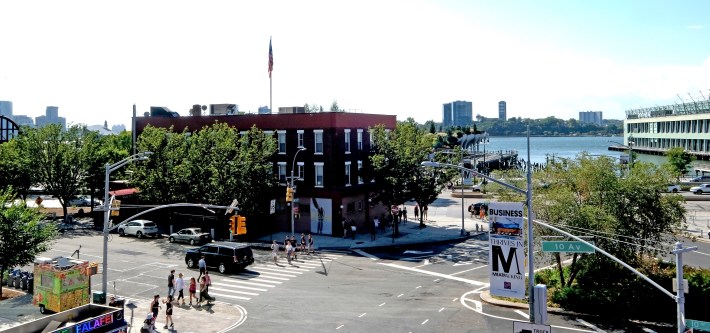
column 169, row 312
column 416, row 212
column 294, row 246
column 303, row 243
column 179, row 286
column 345, row 228
column 310, row 244
column 208, row 281
column 202, row 264
column 193, row 289
column 373, row 229
column 425, row 213
column 289, row 248
column 353, row 227
column 275, row 252
column 155, row 307
column 404, row 213
column 171, row 283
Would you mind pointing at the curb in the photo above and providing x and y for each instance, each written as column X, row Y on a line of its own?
column 486, row 297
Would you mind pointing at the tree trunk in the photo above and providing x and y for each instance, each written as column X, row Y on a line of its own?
column 559, row 269
column 573, row 270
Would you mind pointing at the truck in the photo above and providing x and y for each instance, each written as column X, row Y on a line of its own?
column 62, row 283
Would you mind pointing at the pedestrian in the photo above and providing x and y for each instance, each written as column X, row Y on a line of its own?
column 203, row 292
column 193, row 289
column 404, row 214
column 470, row 209
column 275, row 252
column 208, row 281
column 399, row 216
column 482, row 213
column 310, row 244
column 373, row 229
column 425, row 213
column 376, row 221
column 155, row 307
column 168, row 312
column 148, row 324
column 345, row 228
column 171, row 283
column 289, row 248
column 179, row 286
column 353, row 227
column 203, row 266
column 416, row 212
column 303, row 243
column 294, row 247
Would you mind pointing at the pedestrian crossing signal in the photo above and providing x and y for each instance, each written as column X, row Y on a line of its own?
column 289, row 194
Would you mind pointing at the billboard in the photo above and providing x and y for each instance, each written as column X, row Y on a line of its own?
column 506, row 255
column 321, row 212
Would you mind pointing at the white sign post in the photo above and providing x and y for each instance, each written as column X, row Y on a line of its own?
column 506, row 254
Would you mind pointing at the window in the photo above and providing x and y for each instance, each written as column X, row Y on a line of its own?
column 347, row 173
column 282, row 142
column 300, row 138
column 359, row 139
column 282, row 172
column 347, row 141
column 359, row 172
column 318, row 139
column 319, row 174
column 299, row 170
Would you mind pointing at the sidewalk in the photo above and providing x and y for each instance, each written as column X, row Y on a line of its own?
column 220, row 317
column 442, row 225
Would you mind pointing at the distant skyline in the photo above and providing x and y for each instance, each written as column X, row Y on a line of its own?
column 94, row 60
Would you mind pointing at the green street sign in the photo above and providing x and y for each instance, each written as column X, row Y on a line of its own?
column 697, row 324
column 567, row 246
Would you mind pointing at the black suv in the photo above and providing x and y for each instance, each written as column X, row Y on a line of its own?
column 225, row 256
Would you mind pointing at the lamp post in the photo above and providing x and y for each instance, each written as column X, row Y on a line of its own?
column 528, row 194
column 293, row 166
column 107, row 208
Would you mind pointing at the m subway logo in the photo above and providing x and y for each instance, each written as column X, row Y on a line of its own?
column 505, row 260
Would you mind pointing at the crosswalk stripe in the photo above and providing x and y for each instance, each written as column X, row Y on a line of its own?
column 258, row 271
column 257, row 279
column 237, row 286
column 302, row 264
column 252, row 274
column 259, row 268
column 234, row 291
column 251, row 283
column 296, row 269
column 231, row 296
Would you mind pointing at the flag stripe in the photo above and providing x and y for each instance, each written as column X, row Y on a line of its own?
column 271, row 59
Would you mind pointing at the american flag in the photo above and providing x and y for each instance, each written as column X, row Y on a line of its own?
column 271, row 59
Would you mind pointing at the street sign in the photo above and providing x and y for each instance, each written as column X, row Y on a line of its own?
column 698, row 325
column 685, row 286
column 395, row 209
column 524, row 327
column 234, row 204
column 38, row 201
column 567, row 246
column 272, row 207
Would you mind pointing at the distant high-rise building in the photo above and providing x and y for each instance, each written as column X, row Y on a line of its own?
column 458, row 113
column 51, row 117
column 6, row 109
column 22, row 120
column 592, row 117
column 264, row 110
column 502, row 111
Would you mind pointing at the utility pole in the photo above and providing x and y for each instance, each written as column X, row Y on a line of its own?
column 680, row 293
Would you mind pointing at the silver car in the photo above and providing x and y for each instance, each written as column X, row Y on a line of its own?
column 139, row 228
column 190, row 235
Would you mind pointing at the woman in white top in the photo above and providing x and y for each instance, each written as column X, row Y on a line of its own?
column 289, row 250
column 275, row 252
column 179, row 286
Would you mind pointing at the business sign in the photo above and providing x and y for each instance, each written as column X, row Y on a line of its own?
column 506, row 254
column 523, row 327
column 113, row 319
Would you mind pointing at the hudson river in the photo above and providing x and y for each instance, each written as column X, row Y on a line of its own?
column 559, row 146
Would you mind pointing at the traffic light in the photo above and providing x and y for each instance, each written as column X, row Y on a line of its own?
column 115, row 206
column 241, row 225
column 289, row 194
column 233, row 225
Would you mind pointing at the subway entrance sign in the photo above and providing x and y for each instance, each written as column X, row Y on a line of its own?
column 566, row 246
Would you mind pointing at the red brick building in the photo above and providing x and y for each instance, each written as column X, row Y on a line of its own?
column 330, row 172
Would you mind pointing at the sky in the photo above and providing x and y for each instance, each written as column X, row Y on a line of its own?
column 95, row 59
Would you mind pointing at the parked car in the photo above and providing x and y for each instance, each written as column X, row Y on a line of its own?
column 190, row 235
column 700, row 189
column 83, row 202
column 674, row 188
column 225, row 256
column 701, row 179
column 480, row 186
column 138, row 228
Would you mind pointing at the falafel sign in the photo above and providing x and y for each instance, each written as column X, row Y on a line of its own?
column 506, row 254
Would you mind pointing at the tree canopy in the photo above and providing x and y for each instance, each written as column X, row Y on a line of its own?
column 678, row 161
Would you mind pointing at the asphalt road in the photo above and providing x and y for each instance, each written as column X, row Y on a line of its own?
column 423, row 289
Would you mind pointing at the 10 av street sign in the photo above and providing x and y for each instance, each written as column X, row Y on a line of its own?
column 566, row 246
column 698, row 325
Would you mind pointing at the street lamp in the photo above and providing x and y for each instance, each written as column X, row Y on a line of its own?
column 290, row 185
column 107, row 205
column 528, row 194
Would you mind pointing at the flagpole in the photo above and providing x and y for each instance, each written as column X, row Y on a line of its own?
column 270, row 100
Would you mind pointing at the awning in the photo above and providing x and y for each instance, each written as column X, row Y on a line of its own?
column 125, row 191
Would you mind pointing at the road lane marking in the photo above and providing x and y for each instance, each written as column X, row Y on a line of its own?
column 232, row 296
column 366, row 255
column 454, row 300
column 360, row 316
column 525, row 315
column 703, row 253
column 252, row 274
column 234, row 291
column 475, row 268
column 596, row 329
column 276, row 269
column 418, row 287
column 478, row 309
column 257, row 280
column 648, row 330
column 455, row 278
column 400, row 295
column 424, row 322
column 442, row 309
column 241, row 320
column 272, row 273
column 236, row 286
column 437, row 280
column 382, row 304
column 339, row 327
column 251, row 283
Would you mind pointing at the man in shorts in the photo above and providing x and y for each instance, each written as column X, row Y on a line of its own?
column 203, row 267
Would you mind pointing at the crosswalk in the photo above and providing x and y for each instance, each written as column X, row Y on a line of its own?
column 261, row 278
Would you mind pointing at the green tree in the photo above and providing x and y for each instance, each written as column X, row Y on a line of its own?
column 22, row 234
column 334, row 107
column 15, row 170
column 106, row 149
column 678, row 161
column 59, row 158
